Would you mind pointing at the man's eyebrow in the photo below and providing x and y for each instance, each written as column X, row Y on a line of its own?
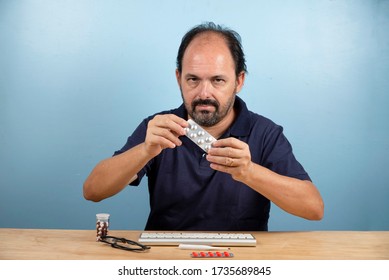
column 221, row 76
column 190, row 76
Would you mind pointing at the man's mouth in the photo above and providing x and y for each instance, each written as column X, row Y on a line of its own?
column 205, row 108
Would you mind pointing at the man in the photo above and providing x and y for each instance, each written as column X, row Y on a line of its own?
column 229, row 187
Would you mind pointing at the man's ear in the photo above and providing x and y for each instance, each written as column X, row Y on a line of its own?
column 178, row 77
column 240, row 81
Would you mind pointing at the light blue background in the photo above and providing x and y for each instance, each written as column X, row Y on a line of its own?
column 76, row 78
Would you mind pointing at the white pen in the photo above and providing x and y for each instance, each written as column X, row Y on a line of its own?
column 200, row 247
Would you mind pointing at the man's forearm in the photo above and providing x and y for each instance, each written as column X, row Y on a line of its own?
column 298, row 197
column 113, row 174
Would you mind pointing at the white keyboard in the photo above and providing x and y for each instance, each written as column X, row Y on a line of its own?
column 197, row 238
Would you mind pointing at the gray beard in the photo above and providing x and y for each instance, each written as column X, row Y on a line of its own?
column 207, row 118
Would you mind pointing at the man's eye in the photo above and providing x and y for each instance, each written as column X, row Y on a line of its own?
column 192, row 80
column 219, row 81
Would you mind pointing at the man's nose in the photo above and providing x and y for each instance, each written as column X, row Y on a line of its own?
column 205, row 90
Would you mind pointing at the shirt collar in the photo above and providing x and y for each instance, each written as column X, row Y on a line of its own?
column 241, row 125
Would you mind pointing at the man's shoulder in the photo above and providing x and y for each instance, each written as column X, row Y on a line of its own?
column 262, row 121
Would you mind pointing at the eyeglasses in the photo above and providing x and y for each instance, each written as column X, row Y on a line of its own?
column 127, row 244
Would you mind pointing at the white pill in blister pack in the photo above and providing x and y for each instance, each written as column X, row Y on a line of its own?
column 199, row 136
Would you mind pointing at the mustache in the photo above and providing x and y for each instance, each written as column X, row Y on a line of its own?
column 205, row 102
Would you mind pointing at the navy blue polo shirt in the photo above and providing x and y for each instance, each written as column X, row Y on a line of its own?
column 186, row 194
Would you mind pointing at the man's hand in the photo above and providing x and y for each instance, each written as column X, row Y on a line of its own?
column 295, row 196
column 231, row 156
column 163, row 132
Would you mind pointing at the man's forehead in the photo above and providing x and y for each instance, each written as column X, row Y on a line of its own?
column 209, row 48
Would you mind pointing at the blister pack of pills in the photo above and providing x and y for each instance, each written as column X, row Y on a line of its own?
column 212, row 255
column 199, row 136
